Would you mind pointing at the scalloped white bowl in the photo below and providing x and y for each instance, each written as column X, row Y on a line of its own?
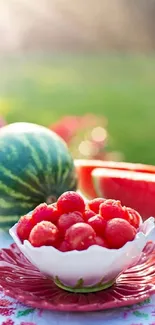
column 90, row 270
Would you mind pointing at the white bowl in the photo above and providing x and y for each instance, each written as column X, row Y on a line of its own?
column 90, row 270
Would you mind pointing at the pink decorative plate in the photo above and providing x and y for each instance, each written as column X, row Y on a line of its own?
column 24, row 282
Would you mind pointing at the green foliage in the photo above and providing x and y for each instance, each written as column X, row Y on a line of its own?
column 41, row 89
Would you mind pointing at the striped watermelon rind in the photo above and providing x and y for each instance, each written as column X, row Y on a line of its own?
column 35, row 167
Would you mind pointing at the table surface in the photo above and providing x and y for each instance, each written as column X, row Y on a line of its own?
column 14, row 313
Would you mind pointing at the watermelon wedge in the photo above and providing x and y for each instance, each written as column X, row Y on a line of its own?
column 134, row 189
column 84, row 169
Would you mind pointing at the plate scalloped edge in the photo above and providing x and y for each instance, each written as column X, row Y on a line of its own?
column 133, row 286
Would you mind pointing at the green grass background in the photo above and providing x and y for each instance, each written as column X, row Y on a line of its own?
column 42, row 88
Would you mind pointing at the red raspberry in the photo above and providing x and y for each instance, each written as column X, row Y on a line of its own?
column 68, row 219
column 24, row 227
column 118, row 232
column 69, row 202
column 80, row 236
column 88, row 214
column 64, row 246
column 95, row 204
column 135, row 217
column 44, row 233
column 100, row 241
column 44, row 212
column 98, row 224
column 111, row 209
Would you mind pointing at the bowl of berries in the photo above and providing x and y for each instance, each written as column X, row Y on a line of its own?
column 83, row 246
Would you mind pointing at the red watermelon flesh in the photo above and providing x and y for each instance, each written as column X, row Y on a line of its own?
column 133, row 189
column 84, row 169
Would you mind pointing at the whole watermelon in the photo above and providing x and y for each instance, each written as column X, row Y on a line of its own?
column 35, row 167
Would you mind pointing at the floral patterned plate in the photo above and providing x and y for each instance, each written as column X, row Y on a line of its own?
column 21, row 280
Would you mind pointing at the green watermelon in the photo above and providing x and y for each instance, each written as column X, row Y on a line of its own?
column 35, row 167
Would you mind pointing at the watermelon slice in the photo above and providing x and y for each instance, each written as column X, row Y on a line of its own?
column 84, row 169
column 134, row 189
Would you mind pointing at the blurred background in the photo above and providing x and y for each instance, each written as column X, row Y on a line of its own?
column 86, row 69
